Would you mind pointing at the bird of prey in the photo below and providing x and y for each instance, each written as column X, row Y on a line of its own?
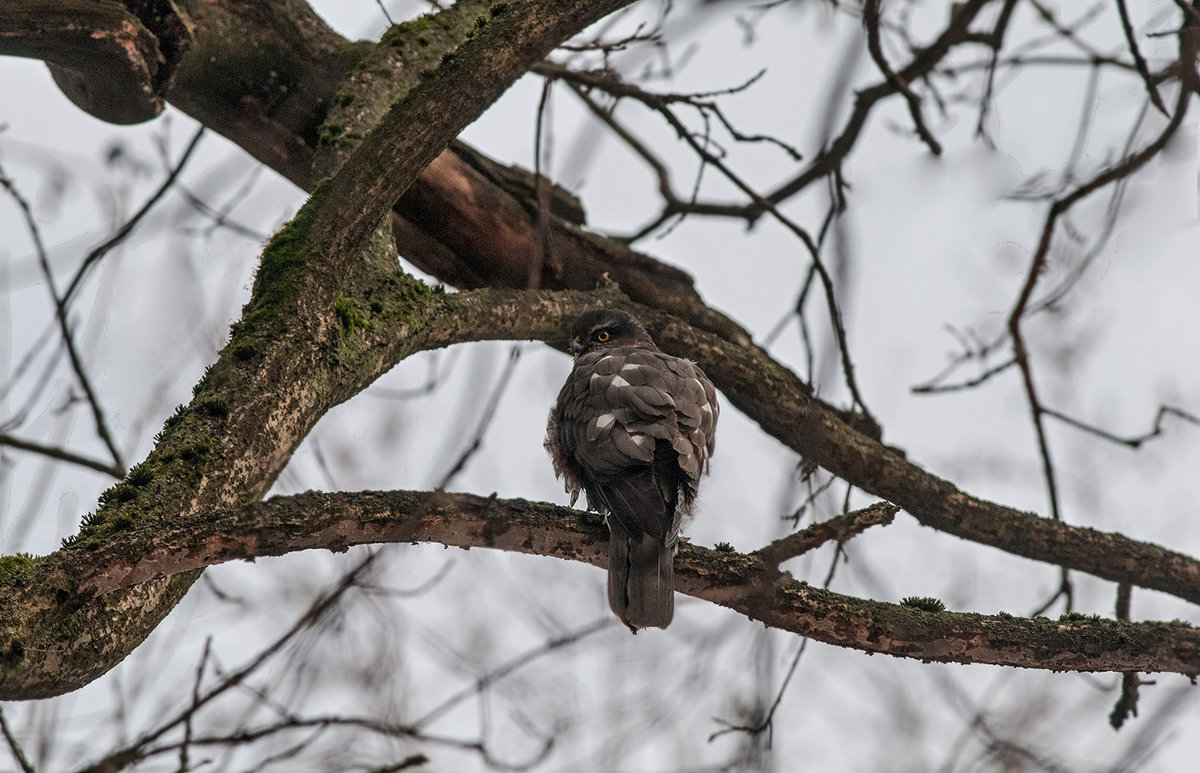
column 633, row 427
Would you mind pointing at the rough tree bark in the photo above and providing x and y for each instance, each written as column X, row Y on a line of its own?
column 331, row 311
column 307, row 340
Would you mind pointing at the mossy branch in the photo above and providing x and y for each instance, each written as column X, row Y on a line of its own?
column 289, row 360
column 916, row 628
column 418, row 127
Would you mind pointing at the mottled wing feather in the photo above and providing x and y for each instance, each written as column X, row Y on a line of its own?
column 617, row 402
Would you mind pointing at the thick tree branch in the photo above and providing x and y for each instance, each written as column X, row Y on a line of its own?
column 100, row 54
column 781, row 404
column 467, row 220
column 306, row 341
column 418, row 127
column 744, row 583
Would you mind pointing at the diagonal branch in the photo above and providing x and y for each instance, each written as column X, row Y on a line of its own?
column 14, row 746
column 779, row 402
column 420, row 126
column 871, row 20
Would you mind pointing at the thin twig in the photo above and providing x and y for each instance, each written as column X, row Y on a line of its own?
column 996, row 41
column 187, row 725
column 142, row 747
column 769, row 718
column 1120, row 171
column 539, row 258
column 485, row 421
column 294, row 723
column 923, row 62
column 1138, row 60
column 495, row 675
column 64, row 325
column 1134, row 442
column 1064, row 591
column 933, row 388
column 14, row 746
column 54, row 452
column 840, row 528
column 1127, row 704
column 127, row 227
column 874, row 46
column 384, row 9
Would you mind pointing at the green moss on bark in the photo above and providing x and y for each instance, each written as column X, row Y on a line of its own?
column 282, row 270
column 386, row 72
column 351, row 316
column 16, row 570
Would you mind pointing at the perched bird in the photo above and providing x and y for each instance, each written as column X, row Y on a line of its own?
column 633, row 427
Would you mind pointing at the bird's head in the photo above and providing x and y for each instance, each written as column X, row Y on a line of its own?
column 606, row 328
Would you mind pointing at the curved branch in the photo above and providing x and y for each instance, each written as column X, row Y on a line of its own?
column 744, row 583
column 100, row 54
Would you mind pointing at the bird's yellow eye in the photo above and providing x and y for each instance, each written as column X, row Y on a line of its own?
column 602, row 336
column 577, row 340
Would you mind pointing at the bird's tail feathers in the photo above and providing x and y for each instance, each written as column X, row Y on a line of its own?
column 641, row 554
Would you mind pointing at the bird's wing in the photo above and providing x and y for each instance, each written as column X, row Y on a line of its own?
column 618, row 402
column 696, row 412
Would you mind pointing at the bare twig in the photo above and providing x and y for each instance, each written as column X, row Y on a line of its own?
column 293, row 723
column 495, row 675
column 840, row 528
column 64, row 325
column 1134, row 442
column 1120, row 171
column 14, row 746
column 54, row 452
column 1138, row 60
column 871, row 22
column 932, row 387
column 144, row 746
column 996, row 41
column 383, row 9
column 1127, row 703
column 1064, row 591
column 97, row 253
column 923, row 63
column 485, row 421
column 539, row 258
column 187, row 723
column 768, row 719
